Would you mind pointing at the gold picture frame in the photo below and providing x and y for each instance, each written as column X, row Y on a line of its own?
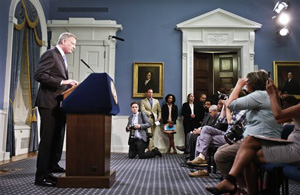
column 281, row 70
column 141, row 70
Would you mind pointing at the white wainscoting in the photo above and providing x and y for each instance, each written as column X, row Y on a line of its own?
column 3, row 154
column 119, row 137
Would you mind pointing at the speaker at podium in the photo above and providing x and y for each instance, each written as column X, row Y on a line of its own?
column 89, row 108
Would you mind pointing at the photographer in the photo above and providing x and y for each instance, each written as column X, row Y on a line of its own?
column 137, row 126
column 260, row 119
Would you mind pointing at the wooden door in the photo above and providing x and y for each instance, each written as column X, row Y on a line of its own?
column 203, row 75
column 225, row 71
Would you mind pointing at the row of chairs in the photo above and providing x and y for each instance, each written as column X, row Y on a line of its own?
column 274, row 176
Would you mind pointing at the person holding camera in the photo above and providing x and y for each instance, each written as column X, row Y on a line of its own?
column 137, row 126
column 151, row 107
column 213, row 136
column 257, row 150
column 260, row 119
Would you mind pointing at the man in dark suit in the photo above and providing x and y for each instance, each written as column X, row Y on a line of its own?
column 291, row 85
column 52, row 73
column 148, row 83
column 137, row 126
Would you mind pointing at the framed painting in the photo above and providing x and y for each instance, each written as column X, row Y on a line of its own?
column 148, row 75
column 287, row 77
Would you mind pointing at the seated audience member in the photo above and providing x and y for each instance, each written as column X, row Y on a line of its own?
column 202, row 99
column 169, row 116
column 254, row 151
column 211, row 135
column 207, row 104
column 210, row 120
column 260, row 119
column 192, row 115
column 220, row 105
column 137, row 126
column 216, row 96
column 288, row 101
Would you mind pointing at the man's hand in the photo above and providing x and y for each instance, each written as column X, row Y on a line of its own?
column 137, row 126
column 197, row 131
column 192, row 116
column 70, row 82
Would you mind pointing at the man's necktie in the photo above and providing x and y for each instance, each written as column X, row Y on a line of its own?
column 66, row 65
column 65, row 60
column 150, row 101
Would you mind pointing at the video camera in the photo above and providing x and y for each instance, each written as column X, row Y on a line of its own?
column 222, row 96
column 235, row 133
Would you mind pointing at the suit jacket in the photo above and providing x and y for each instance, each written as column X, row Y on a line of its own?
column 50, row 72
column 155, row 110
column 165, row 113
column 198, row 111
column 209, row 121
column 143, row 122
column 291, row 87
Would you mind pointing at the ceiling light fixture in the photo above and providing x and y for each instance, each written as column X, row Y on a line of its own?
column 283, row 18
column 284, row 31
column 280, row 5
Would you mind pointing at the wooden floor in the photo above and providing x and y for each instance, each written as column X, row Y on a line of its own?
column 19, row 157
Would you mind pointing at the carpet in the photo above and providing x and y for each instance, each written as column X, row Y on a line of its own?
column 156, row 176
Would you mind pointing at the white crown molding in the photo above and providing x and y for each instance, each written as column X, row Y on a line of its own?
column 219, row 18
column 218, row 29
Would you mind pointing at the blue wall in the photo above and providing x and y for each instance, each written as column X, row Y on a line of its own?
column 150, row 35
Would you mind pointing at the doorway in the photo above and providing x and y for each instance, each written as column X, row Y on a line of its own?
column 214, row 69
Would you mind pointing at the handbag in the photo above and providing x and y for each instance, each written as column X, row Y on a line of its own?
column 168, row 129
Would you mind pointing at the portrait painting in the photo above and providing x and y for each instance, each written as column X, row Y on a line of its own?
column 287, row 77
column 148, row 75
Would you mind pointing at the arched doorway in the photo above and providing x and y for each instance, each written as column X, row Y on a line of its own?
column 10, row 54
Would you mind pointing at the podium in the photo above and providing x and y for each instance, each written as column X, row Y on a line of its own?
column 89, row 107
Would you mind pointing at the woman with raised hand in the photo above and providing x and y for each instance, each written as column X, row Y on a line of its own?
column 255, row 150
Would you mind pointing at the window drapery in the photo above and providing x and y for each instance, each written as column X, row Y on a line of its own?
column 26, row 38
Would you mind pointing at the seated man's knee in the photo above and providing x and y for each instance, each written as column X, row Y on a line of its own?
column 219, row 154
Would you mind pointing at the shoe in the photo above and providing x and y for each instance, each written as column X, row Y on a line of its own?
column 174, row 152
column 181, row 148
column 157, row 152
column 215, row 190
column 45, row 182
column 199, row 173
column 197, row 162
column 58, row 169
column 52, row 177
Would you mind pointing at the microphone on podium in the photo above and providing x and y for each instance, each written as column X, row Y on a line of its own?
column 87, row 65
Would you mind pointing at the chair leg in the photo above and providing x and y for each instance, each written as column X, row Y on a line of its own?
column 261, row 181
column 209, row 161
column 286, row 183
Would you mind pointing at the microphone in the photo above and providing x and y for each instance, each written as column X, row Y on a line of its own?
column 87, row 65
column 118, row 38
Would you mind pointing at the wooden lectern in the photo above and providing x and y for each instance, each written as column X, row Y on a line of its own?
column 89, row 108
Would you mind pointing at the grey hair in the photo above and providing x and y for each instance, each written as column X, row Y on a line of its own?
column 213, row 107
column 65, row 36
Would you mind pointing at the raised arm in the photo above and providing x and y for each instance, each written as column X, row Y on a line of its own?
column 236, row 91
column 280, row 115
